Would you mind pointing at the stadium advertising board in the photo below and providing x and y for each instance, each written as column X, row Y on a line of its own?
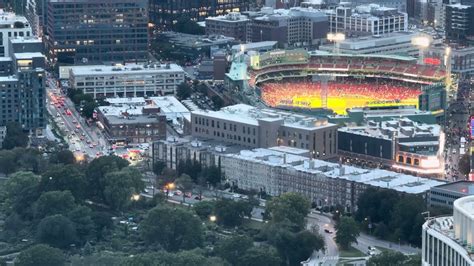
column 471, row 126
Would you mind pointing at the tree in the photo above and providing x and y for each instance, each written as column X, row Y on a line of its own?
column 375, row 204
column 289, row 206
column 293, row 247
column 232, row 249
column 41, row 255
column 388, row 258
column 228, row 212
column 62, row 157
column 57, row 231
column 64, row 177
column 96, row 171
column 81, row 217
column 183, row 258
column 15, row 136
column 18, row 181
column 185, row 183
column 204, row 209
column 8, row 162
column 120, row 186
column 213, row 175
column 88, row 109
column 218, row 102
column 465, row 164
column 183, row 91
column 407, row 220
column 172, row 228
column 158, row 167
column 54, row 202
column 261, row 256
column 347, row 232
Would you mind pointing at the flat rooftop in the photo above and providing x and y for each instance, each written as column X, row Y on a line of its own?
column 135, row 106
column 250, row 115
column 399, row 128
column 462, row 187
column 99, row 70
column 28, row 55
column 373, row 177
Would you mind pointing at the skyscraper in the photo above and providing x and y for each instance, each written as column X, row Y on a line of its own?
column 97, row 31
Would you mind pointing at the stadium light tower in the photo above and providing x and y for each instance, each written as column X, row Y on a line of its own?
column 447, row 64
column 422, row 42
column 336, row 38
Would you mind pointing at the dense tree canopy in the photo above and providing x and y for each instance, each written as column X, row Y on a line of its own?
column 172, row 228
column 232, row 249
column 41, row 255
column 120, row 186
column 57, row 231
column 15, row 137
column 98, row 169
column 64, row 177
column 54, row 202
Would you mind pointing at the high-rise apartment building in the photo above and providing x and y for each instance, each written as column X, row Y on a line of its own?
column 12, row 26
column 85, row 31
column 22, row 86
column 164, row 12
column 459, row 23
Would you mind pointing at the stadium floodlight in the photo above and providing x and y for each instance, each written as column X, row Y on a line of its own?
column 422, row 42
column 447, row 64
column 337, row 38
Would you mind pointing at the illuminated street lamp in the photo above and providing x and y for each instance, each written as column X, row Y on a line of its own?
column 135, row 197
column 212, row 218
column 422, row 42
column 169, row 186
column 336, row 38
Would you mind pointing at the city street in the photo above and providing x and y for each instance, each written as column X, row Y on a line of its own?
column 457, row 127
column 82, row 138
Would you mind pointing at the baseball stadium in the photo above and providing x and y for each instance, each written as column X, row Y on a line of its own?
column 315, row 80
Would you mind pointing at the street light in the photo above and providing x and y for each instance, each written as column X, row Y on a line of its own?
column 212, row 218
column 135, row 197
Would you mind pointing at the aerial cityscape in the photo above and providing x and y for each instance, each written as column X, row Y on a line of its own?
column 236, row 132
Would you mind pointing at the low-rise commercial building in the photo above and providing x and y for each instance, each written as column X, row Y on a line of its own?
column 275, row 172
column 294, row 27
column 371, row 19
column 401, row 144
column 449, row 240
column 231, row 25
column 445, row 195
column 131, row 80
column 254, row 127
column 396, row 43
column 139, row 120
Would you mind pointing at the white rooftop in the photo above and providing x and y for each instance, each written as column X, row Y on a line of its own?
column 373, row 177
column 10, row 18
column 168, row 105
column 400, row 128
column 28, row 55
column 231, row 17
column 124, row 69
column 250, row 115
